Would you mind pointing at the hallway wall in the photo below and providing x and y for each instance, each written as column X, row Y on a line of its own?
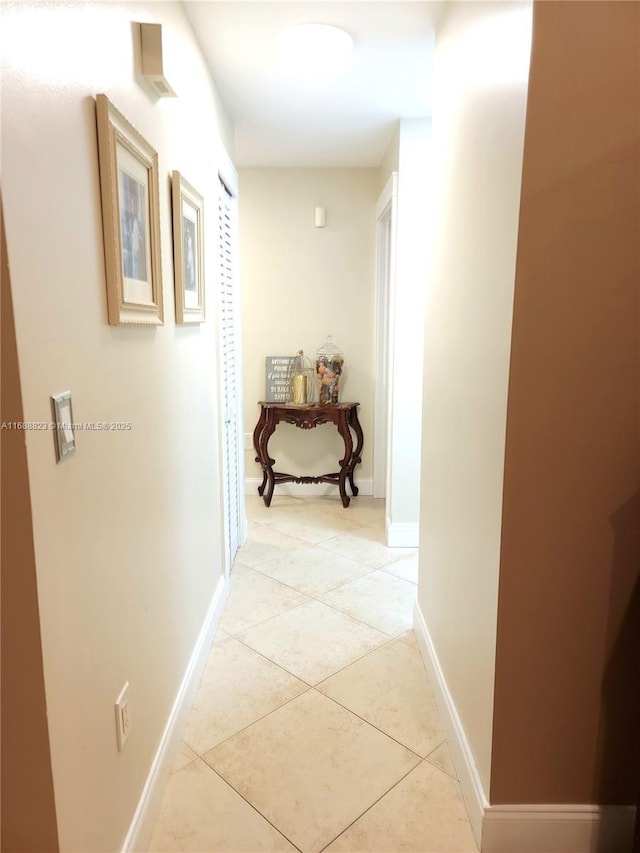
column 481, row 70
column 301, row 283
column 566, row 713
column 127, row 532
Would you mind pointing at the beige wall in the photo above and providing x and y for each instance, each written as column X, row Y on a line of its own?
column 568, row 656
column 301, row 283
column 481, row 65
column 126, row 532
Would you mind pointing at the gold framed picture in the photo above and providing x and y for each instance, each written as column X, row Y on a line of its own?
column 130, row 219
column 188, row 250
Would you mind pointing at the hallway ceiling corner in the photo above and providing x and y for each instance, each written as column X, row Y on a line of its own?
column 282, row 122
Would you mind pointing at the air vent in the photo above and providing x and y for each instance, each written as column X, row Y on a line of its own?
column 152, row 67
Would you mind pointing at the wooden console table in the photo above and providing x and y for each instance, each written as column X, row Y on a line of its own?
column 343, row 415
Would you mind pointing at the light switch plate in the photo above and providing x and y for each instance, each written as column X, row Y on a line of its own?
column 63, row 425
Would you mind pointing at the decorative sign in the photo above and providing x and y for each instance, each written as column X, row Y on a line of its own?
column 278, row 378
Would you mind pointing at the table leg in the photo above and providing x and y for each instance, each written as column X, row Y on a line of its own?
column 345, row 463
column 257, row 432
column 355, row 423
column 268, row 480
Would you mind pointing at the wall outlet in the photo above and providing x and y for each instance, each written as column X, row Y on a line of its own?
column 123, row 718
column 248, row 441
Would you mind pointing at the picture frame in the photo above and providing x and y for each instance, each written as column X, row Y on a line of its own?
column 130, row 219
column 188, row 250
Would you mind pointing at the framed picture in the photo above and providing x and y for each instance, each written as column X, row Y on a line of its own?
column 130, row 219
column 188, row 250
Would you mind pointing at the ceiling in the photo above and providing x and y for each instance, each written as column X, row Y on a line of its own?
column 280, row 121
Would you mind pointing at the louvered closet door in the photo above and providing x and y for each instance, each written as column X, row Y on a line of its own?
column 229, row 348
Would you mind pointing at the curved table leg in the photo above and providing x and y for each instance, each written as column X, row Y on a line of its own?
column 355, row 423
column 345, row 464
column 257, row 432
column 268, row 480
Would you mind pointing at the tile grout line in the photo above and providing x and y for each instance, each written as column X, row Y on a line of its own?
column 368, row 809
column 382, row 731
column 252, row 723
column 257, row 811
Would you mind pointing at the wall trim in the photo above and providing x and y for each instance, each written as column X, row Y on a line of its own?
column 557, row 828
column 472, row 789
column 146, row 813
column 365, row 487
column 403, row 534
column 521, row 828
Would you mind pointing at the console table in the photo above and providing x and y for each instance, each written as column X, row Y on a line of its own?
column 343, row 415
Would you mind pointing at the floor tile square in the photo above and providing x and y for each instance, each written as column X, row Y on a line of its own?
column 313, row 570
column 441, row 757
column 379, row 599
column 313, row 527
column 311, row 768
column 264, row 543
column 221, row 636
column 238, row 687
column 389, row 689
column 363, row 509
column 200, row 812
column 409, row 637
column 184, row 756
column 313, row 641
column 258, row 511
column 406, row 568
column 255, row 597
column 367, row 545
column 424, row 813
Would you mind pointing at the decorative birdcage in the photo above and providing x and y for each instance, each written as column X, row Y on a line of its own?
column 302, row 381
column 329, row 371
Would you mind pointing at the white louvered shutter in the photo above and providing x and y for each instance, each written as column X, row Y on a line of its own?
column 229, row 360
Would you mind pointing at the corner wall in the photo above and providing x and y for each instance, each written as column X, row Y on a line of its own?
column 481, row 70
column 568, row 653
column 127, row 532
column 407, row 297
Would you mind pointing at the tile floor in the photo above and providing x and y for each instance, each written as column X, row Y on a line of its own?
column 314, row 728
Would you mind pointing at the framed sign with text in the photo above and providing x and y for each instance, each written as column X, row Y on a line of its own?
column 278, row 373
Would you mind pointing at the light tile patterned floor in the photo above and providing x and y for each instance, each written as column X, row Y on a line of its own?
column 314, row 727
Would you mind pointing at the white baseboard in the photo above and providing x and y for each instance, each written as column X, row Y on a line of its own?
column 141, row 829
column 558, row 829
column 472, row 789
column 365, row 487
column 403, row 534
column 555, row 828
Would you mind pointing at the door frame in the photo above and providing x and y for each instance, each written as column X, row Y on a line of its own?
column 386, row 238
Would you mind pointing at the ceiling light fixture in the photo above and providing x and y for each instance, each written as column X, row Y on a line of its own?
column 314, row 52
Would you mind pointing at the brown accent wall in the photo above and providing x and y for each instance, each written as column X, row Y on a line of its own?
column 568, row 664
column 28, row 808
